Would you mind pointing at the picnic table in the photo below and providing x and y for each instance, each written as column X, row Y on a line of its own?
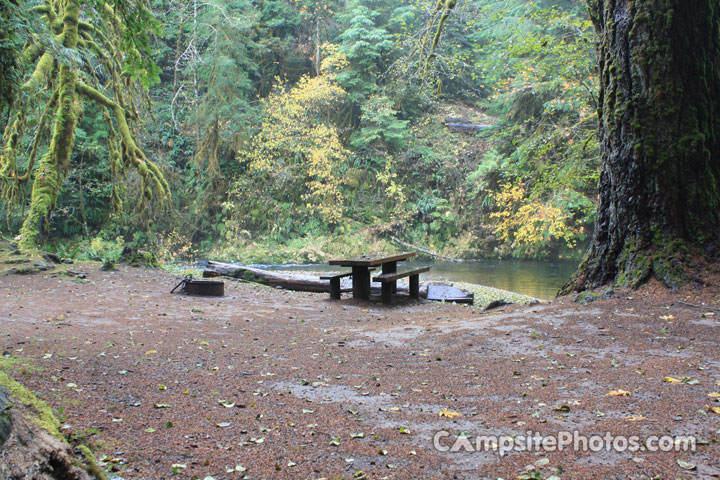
column 362, row 265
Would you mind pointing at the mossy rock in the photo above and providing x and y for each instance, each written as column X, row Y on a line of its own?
column 139, row 258
column 586, row 297
column 14, row 261
column 108, row 265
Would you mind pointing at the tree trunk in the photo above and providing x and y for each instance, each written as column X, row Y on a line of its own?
column 54, row 165
column 659, row 131
column 27, row 451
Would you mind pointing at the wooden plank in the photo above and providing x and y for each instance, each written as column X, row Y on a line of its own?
column 372, row 260
column 391, row 277
column 339, row 275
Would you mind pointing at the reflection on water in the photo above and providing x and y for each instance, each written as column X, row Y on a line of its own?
column 540, row 279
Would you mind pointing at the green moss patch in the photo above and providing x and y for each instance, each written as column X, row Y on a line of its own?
column 38, row 411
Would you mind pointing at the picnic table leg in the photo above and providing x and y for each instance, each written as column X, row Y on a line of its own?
column 387, row 292
column 390, row 267
column 361, row 282
column 415, row 286
column 335, row 288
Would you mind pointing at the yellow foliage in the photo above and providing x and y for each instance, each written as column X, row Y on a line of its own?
column 529, row 224
column 298, row 138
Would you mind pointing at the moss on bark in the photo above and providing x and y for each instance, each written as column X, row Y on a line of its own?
column 659, row 119
column 54, row 164
column 62, row 75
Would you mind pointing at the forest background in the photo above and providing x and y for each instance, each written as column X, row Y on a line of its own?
column 297, row 130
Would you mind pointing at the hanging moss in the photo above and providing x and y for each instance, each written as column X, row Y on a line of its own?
column 54, row 164
column 61, row 76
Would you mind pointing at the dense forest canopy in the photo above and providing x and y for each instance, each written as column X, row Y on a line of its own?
column 295, row 129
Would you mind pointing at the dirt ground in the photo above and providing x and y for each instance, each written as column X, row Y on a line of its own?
column 266, row 383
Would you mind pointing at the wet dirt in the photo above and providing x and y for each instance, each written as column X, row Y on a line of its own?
column 293, row 385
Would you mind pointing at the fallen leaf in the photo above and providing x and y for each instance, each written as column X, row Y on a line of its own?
column 713, row 409
column 161, row 405
column 686, row 465
column 150, row 430
column 714, row 395
column 151, row 352
column 634, row 418
column 671, row 380
column 619, row 393
column 667, row 317
column 445, row 412
column 223, row 424
column 404, row 430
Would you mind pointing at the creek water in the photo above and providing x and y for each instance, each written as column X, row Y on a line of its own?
column 539, row 279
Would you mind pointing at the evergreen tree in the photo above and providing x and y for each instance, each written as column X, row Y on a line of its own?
column 659, row 115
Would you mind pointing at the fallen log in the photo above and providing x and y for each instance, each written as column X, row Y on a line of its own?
column 466, row 127
column 300, row 283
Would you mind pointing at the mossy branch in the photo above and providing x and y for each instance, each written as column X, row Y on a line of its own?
column 152, row 178
column 43, row 71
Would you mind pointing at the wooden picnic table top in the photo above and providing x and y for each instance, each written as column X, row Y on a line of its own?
column 373, row 259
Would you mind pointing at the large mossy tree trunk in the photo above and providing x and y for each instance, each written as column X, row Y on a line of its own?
column 54, row 165
column 659, row 131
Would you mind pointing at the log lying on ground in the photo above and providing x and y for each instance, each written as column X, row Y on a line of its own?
column 273, row 279
column 28, row 451
column 457, row 124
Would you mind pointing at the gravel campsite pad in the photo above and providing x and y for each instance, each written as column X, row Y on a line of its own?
column 266, row 383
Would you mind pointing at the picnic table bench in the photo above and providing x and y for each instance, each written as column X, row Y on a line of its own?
column 361, row 267
column 389, row 282
column 335, row 282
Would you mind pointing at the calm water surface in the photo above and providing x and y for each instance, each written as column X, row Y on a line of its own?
column 540, row 279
